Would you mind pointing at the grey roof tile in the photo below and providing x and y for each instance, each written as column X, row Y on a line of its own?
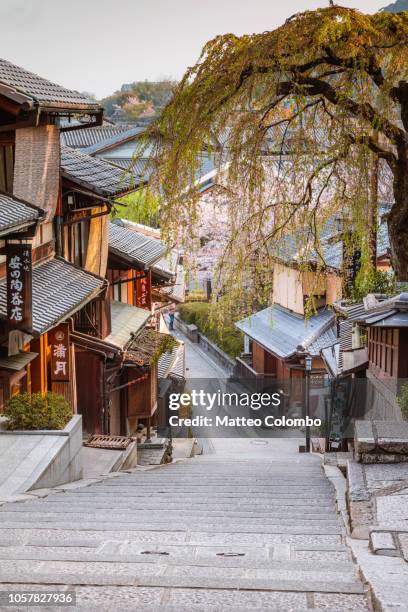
column 284, row 333
column 83, row 138
column 142, row 168
column 138, row 249
column 95, row 174
column 172, row 364
column 42, row 91
column 59, row 290
column 167, row 265
column 15, row 213
column 115, row 139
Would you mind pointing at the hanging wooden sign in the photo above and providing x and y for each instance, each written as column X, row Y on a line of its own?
column 143, row 290
column 60, row 354
column 19, row 286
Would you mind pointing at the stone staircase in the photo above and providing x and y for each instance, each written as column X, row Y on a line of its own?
column 209, row 533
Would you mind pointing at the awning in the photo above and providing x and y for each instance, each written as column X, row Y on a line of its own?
column 17, row 362
column 59, row 290
column 126, row 322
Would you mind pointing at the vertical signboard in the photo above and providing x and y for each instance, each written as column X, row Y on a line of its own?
column 143, row 290
column 19, row 287
column 60, row 362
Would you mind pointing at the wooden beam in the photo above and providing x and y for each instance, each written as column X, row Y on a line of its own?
column 30, row 120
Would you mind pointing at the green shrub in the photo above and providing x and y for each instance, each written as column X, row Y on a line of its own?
column 192, row 311
column 375, row 281
column 403, row 401
column 228, row 338
column 37, row 411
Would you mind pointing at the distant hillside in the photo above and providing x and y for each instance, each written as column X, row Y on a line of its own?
column 396, row 7
column 138, row 100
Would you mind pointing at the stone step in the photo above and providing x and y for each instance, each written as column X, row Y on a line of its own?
column 215, row 493
column 281, row 499
column 66, row 572
column 135, row 518
column 145, row 510
column 251, row 503
column 148, row 599
column 239, row 483
column 89, row 524
column 113, row 552
column 94, row 538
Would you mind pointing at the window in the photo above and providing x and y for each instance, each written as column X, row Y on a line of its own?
column 382, row 349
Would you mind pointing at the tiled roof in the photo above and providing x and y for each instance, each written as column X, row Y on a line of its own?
column 298, row 248
column 79, row 139
column 142, row 168
column 43, row 92
column 172, row 365
column 14, row 213
column 177, row 291
column 391, row 312
column 138, row 249
column 115, row 139
column 126, row 322
column 167, row 265
column 284, row 333
column 59, row 290
column 291, row 248
column 95, row 174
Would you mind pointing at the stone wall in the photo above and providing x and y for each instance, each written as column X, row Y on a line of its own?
column 65, row 465
column 381, row 400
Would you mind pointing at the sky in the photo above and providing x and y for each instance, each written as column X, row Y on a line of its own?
column 96, row 45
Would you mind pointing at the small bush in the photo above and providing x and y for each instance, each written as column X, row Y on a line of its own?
column 37, row 411
column 403, row 401
column 228, row 339
column 375, row 281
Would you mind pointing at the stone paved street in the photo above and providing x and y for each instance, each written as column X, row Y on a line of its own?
column 252, row 526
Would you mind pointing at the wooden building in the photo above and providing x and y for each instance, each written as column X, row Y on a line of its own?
column 384, row 330
column 52, row 290
column 74, row 335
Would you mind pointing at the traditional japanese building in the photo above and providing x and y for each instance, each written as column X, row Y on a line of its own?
column 61, row 327
column 50, row 289
column 383, row 329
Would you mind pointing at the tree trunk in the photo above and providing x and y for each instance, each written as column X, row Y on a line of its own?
column 398, row 221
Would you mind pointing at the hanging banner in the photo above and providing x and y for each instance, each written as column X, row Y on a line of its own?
column 143, row 290
column 19, row 287
column 60, row 362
